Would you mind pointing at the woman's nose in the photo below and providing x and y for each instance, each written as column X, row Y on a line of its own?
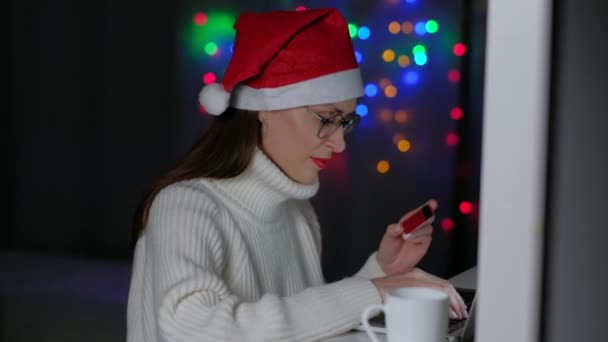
column 336, row 140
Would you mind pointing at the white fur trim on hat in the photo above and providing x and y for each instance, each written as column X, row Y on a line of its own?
column 214, row 98
column 336, row 87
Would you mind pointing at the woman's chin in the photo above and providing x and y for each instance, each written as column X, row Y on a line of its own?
column 307, row 178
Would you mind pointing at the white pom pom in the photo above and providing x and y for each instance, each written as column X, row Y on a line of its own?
column 214, row 98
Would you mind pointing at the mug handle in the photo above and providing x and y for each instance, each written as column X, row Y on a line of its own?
column 365, row 320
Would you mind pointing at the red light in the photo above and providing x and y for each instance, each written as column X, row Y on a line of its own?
column 454, row 76
column 456, row 113
column 300, row 8
column 447, row 225
column 200, row 18
column 201, row 108
column 459, row 49
column 209, row 78
column 466, row 207
column 451, row 139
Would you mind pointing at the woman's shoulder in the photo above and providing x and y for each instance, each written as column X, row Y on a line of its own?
column 192, row 193
column 186, row 210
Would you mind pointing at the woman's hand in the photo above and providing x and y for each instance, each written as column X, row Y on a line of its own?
column 419, row 278
column 397, row 255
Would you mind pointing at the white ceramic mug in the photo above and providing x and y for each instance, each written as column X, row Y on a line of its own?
column 413, row 314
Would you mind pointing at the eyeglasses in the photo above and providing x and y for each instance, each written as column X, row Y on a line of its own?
column 331, row 124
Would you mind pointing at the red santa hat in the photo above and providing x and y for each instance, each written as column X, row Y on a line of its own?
column 287, row 59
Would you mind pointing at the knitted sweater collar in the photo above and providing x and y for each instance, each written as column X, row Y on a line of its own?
column 263, row 188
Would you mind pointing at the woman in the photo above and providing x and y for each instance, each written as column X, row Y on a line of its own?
column 228, row 244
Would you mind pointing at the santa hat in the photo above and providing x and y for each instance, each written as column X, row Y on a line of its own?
column 287, row 59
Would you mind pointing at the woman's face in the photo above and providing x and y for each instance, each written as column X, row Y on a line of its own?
column 290, row 138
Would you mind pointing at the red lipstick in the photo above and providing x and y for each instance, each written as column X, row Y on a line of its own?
column 320, row 162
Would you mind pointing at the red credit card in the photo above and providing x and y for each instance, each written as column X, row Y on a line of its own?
column 417, row 219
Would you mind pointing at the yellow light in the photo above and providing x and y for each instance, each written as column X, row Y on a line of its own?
column 401, row 116
column 397, row 138
column 385, row 115
column 388, row 55
column 403, row 145
column 383, row 166
column 404, row 61
column 407, row 27
column 394, row 27
column 385, row 82
column 390, row 91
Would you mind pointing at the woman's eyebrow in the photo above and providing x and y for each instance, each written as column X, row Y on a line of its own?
column 336, row 110
column 331, row 109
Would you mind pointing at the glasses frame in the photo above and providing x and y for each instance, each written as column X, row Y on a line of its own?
column 344, row 123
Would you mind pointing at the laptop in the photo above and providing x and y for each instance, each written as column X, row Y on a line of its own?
column 458, row 330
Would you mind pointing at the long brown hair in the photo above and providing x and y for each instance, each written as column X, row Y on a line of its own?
column 224, row 150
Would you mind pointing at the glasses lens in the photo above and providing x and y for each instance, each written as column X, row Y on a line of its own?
column 348, row 123
column 351, row 123
column 328, row 128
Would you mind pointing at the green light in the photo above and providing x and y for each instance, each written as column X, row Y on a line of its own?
column 431, row 26
column 211, row 48
column 418, row 49
column 218, row 29
column 352, row 30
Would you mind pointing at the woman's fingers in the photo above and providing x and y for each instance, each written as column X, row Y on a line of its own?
column 422, row 232
column 454, row 309
column 394, row 230
column 458, row 303
column 455, row 301
column 453, row 314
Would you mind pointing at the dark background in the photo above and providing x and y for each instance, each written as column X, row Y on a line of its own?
column 93, row 104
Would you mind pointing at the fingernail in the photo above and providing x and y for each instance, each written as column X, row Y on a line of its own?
column 397, row 229
column 407, row 236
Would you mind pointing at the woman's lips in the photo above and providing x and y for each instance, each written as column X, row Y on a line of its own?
column 320, row 162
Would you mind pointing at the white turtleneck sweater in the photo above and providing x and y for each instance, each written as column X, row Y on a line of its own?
column 239, row 260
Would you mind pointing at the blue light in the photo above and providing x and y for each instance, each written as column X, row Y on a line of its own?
column 364, row 32
column 411, row 77
column 410, row 1
column 361, row 110
column 420, row 28
column 358, row 56
column 371, row 90
column 420, row 59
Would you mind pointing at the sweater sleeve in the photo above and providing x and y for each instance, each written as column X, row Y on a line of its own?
column 194, row 303
column 371, row 268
